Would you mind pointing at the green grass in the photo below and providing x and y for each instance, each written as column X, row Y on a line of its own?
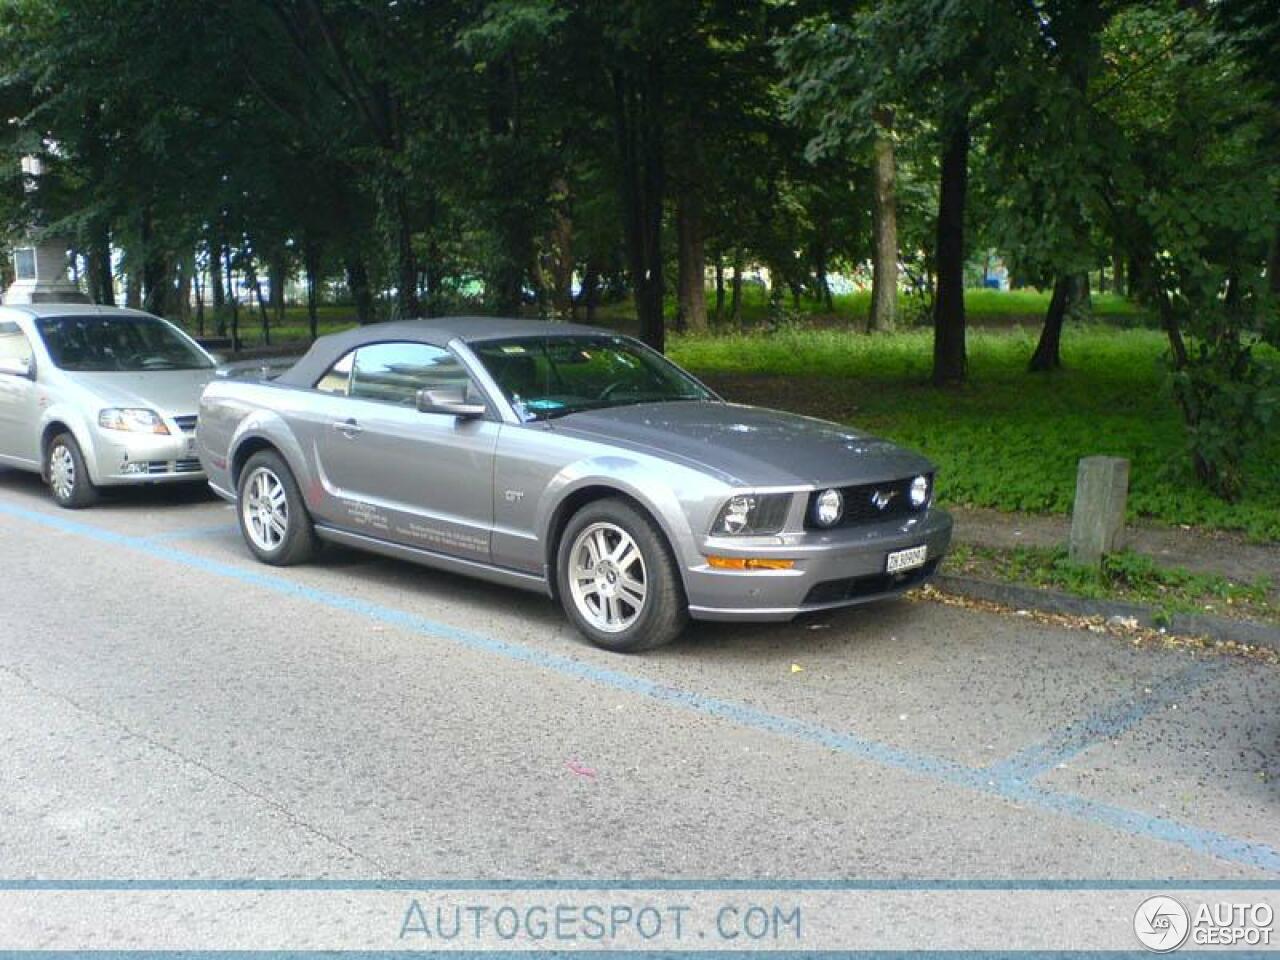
column 1009, row 439
column 1124, row 576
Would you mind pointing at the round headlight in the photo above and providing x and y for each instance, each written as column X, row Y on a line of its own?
column 737, row 513
column 919, row 491
column 828, row 508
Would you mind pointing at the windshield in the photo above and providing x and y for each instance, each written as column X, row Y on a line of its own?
column 547, row 377
column 118, row 344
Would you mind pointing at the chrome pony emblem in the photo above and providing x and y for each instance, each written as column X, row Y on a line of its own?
column 881, row 498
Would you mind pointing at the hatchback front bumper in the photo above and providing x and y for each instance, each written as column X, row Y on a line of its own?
column 120, row 457
column 836, row 568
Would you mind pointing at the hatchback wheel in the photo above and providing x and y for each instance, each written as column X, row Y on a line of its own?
column 68, row 477
column 273, row 518
column 617, row 578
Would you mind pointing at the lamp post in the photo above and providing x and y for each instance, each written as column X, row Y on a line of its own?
column 40, row 265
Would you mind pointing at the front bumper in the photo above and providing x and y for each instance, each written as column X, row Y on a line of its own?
column 832, row 569
column 123, row 458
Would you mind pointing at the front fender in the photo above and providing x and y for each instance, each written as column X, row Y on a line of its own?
column 664, row 490
column 85, row 436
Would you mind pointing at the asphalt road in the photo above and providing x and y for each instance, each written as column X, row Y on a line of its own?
column 170, row 709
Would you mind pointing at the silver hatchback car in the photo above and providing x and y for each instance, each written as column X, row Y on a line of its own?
column 98, row 396
column 570, row 461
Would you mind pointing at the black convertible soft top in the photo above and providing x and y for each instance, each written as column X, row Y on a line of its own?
column 438, row 331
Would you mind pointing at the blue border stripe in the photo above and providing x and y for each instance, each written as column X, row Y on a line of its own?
column 428, row 885
column 1197, row 840
column 1107, row 723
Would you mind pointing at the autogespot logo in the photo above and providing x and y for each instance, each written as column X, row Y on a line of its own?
column 1161, row 924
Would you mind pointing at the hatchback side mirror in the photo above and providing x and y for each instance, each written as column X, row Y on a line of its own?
column 451, row 401
column 17, row 367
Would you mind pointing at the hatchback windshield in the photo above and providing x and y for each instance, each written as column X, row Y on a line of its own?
column 547, row 377
column 118, row 344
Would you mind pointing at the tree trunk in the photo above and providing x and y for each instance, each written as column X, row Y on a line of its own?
column 719, row 289
column 691, row 280
column 884, row 221
column 199, row 288
column 406, row 262
column 639, row 132
column 735, row 295
column 311, row 264
column 231, row 296
column 949, row 358
column 279, row 269
column 1047, row 355
column 358, row 284
column 561, row 251
column 98, row 259
column 262, row 305
column 182, row 304
column 133, row 289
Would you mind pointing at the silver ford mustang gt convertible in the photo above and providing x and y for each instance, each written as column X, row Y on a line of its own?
column 570, row 461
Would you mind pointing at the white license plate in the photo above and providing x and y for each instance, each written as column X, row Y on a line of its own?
column 908, row 559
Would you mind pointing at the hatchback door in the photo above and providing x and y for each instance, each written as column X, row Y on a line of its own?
column 392, row 472
column 19, row 402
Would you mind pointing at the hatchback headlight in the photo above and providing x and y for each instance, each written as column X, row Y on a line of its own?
column 132, row 420
column 753, row 513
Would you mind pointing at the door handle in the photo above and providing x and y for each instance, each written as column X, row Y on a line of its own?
column 348, row 428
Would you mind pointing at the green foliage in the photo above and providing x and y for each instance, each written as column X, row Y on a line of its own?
column 1010, row 440
column 1126, row 576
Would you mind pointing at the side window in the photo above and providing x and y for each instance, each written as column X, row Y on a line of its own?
column 395, row 372
column 14, row 344
column 338, row 377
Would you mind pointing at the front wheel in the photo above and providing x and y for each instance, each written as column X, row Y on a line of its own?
column 617, row 578
column 273, row 517
column 68, row 476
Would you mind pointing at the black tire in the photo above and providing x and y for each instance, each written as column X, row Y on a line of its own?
column 298, row 542
column 663, row 612
column 68, row 477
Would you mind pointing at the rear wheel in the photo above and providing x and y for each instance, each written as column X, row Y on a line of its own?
column 68, row 476
column 273, row 518
column 617, row 578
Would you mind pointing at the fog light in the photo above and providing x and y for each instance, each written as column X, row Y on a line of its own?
column 749, row 563
column 137, row 467
column 919, row 491
column 828, row 508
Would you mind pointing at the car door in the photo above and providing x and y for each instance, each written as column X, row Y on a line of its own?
column 19, row 402
column 424, row 480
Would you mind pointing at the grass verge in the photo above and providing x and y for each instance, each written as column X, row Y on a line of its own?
column 1125, row 576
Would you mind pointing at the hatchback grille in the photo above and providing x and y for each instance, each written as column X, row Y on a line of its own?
column 186, row 424
column 186, row 465
column 861, row 503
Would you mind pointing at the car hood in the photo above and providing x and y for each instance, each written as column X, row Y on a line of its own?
column 749, row 446
column 173, row 392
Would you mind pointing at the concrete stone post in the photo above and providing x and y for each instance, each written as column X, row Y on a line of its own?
column 1097, row 518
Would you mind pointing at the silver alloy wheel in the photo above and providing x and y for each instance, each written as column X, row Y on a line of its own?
column 265, row 509
column 607, row 577
column 62, row 472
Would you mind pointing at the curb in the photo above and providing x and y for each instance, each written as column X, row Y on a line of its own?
column 1223, row 629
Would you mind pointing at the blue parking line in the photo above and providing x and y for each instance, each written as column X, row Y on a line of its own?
column 1107, row 723
column 1194, row 839
column 191, row 533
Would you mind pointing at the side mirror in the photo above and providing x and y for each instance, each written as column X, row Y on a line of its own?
column 451, row 401
column 15, row 367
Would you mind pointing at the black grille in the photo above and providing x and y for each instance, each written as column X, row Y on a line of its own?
column 877, row 584
column 186, row 465
column 861, row 503
column 186, row 424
